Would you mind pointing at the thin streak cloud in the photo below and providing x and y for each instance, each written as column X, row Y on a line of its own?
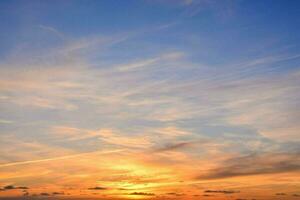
column 57, row 158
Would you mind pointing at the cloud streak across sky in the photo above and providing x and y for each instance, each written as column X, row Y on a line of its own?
column 197, row 100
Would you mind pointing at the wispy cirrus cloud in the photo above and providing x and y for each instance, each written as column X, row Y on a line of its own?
column 56, row 158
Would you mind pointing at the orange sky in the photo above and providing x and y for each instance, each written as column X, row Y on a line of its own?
column 132, row 174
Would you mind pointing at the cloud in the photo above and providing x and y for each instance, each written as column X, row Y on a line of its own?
column 268, row 163
column 280, row 194
column 190, row 8
column 207, row 195
column 175, row 194
column 53, row 30
column 106, row 135
column 117, row 138
column 58, row 193
column 45, row 194
column 3, row 121
column 56, row 158
column 142, row 194
column 156, row 62
column 98, row 188
column 177, row 146
column 12, row 187
column 9, row 187
column 222, row 191
column 71, row 133
column 172, row 132
column 34, row 90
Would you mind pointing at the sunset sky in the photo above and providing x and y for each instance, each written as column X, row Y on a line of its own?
column 150, row 99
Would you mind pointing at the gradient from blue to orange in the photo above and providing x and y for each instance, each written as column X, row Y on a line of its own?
column 153, row 99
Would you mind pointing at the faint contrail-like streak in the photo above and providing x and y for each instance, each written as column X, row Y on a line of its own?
column 57, row 158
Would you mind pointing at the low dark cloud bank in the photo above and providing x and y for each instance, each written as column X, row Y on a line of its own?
column 175, row 194
column 98, row 188
column 255, row 164
column 221, row 191
column 142, row 194
column 12, row 187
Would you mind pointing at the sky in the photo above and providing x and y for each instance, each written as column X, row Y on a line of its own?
column 150, row 99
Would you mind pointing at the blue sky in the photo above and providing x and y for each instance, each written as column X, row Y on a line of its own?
column 150, row 83
column 252, row 27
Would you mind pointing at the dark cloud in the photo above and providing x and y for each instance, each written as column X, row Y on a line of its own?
column 142, row 194
column 58, row 193
column 221, row 191
column 208, row 195
column 296, row 195
column 12, row 187
column 175, row 194
column 22, row 188
column 98, row 188
column 124, row 189
column 280, row 194
column 9, row 187
column 171, row 147
column 255, row 164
